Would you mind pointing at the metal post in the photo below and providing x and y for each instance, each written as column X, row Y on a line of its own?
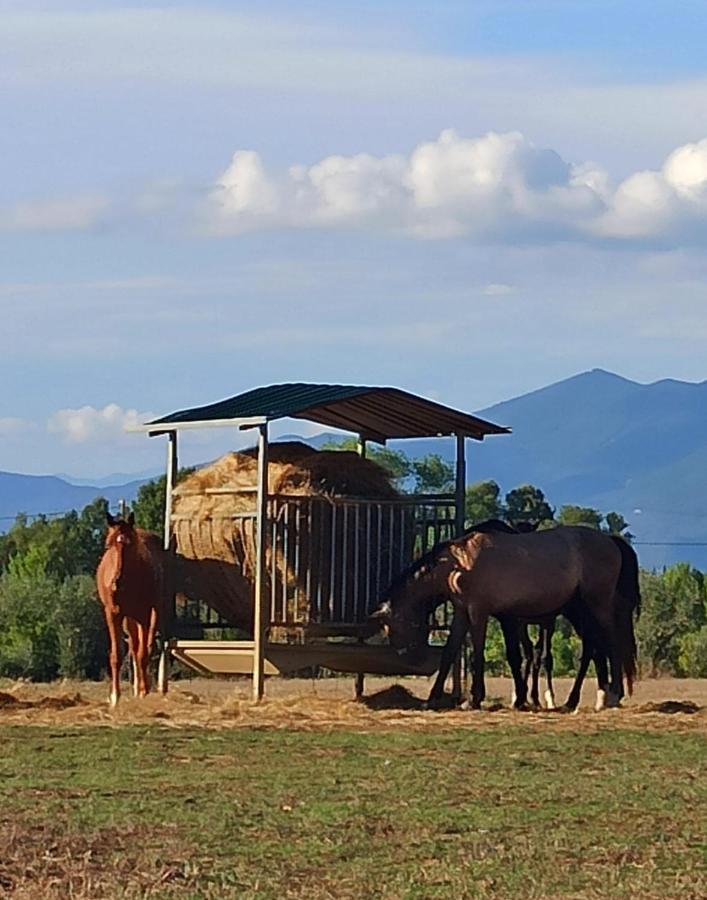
column 459, row 521
column 359, row 681
column 259, row 618
column 168, row 587
column 460, row 490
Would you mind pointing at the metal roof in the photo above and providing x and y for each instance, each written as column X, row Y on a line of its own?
column 376, row 413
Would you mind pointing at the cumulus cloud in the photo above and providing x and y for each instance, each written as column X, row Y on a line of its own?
column 498, row 186
column 78, row 213
column 90, row 425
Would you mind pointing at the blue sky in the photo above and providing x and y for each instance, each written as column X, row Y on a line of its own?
column 465, row 200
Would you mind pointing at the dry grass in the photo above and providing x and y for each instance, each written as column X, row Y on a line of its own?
column 658, row 705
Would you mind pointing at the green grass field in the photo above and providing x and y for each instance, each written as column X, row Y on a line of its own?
column 150, row 811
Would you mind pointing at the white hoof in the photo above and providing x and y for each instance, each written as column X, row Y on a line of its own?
column 550, row 700
column 113, row 700
column 601, row 701
column 513, row 697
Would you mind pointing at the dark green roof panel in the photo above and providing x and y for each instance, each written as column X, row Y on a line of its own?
column 377, row 413
column 278, row 401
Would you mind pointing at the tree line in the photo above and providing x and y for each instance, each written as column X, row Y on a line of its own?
column 51, row 624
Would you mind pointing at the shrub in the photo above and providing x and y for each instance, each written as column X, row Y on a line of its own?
column 80, row 628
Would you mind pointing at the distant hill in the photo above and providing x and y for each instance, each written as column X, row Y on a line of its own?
column 595, row 439
column 34, row 494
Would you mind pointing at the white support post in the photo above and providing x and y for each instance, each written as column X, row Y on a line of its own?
column 460, row 486
column 459, row 521
column 360, row 679
column 259, row 612
column 168, row 586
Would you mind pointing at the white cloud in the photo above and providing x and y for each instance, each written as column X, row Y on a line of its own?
column 78, row 213
column 90, row 425
column 498, row 187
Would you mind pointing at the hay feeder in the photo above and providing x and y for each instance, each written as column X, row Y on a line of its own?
column 294, row 546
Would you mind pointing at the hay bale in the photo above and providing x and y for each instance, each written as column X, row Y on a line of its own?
column 214, row 526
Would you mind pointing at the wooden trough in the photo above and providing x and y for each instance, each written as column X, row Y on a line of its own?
column 236, row 658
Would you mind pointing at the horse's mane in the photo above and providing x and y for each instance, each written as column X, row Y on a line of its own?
column 433, row 557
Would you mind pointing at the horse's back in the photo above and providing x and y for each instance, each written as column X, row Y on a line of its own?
column 549, row 565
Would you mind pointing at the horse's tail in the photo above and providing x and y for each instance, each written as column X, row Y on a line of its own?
column 628, row 592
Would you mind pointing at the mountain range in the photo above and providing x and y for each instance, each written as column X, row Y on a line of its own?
column 595, row 439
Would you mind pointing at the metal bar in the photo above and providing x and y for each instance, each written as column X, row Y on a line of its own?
column 345, row 567
column 357, row 561
column 166, row 624
column 332, row 570
column 170, row 482
column 259, row 623
column 460, row 492
column 160, row 427
column 286, row 559
column 368, row 556
column 274, row 526
column 308, row 576
column 297, row 562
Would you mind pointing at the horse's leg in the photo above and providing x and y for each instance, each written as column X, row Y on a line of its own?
column 477, row 625
column 572, row 701
column 537, row 663
column 602, row 671
column 511, row 632
column 457, row 633
column 131, row 628
column 143, row 659
column 527, row 646
column 546, row 633
column 114, row 656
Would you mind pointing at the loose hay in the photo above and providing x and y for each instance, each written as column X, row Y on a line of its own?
column 327, row 705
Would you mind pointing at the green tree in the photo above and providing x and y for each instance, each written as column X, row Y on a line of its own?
column 82, row 642
column 527, row 503
column 395, row 462
column 28, row 639
column 580, row 515
column 433, row 475
column 616, row 524
column 71, row 544
column 483, row 501
column 673, row 608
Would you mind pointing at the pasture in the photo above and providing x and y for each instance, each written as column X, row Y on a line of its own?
column 203, row 794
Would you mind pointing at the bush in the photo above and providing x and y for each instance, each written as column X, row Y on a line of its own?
column 28, row 638
column 693, row 654
column 81, row 630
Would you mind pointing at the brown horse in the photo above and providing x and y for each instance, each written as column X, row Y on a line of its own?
column 130, row 585
column 578, row 571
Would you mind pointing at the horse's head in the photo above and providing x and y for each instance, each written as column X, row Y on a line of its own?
column 120, row 536
column 406, row 605
column 121, row 532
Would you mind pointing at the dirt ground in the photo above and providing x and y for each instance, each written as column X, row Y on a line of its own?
column 328, row 704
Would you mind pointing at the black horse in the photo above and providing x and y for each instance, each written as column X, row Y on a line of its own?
column 589, row 576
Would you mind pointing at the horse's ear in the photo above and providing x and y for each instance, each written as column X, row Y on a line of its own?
column 461, row 555
column 109, row 519
column 131, row 519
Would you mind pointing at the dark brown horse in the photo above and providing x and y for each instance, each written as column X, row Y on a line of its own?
column 130, row 585
column 575, row 570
